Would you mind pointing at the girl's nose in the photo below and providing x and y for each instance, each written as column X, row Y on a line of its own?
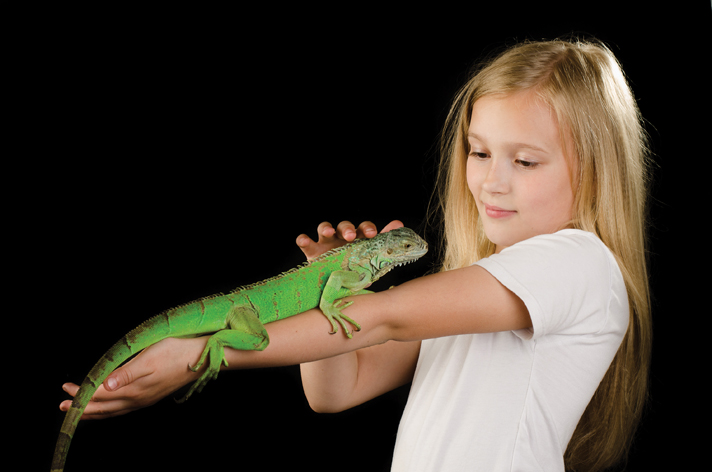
column 497, row 179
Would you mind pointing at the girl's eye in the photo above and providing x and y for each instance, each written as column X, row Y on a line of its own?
column 479, row 155
column 527, row 164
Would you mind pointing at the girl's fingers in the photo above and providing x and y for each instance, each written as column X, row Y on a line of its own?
column 392, row 225
column 95, row 409
column 367, row 230
column 70, row 388
column 345, row 232
column 325, row 231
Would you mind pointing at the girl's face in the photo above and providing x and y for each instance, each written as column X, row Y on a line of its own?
column 517, row 170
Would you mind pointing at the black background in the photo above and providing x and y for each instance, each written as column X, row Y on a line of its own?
column 170, row 154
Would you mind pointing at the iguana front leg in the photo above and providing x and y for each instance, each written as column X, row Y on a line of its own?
column 342, row 283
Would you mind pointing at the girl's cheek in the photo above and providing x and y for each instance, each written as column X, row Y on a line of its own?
column 473, row 178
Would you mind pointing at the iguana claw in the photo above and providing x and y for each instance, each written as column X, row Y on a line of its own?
column 217, row 357
column 335, row 315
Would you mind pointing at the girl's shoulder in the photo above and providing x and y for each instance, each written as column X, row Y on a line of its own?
column 569, row 280
column 577, row 235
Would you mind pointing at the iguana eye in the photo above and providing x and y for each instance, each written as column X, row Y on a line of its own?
column 389, row 251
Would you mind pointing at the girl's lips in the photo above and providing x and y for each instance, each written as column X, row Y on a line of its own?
column 497, row 212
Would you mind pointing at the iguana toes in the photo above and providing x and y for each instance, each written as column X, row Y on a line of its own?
column 237, row 319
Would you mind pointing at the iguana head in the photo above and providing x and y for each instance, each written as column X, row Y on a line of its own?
column 387, row 250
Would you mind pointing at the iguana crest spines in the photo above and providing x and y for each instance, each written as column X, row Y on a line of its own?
column 303, row 265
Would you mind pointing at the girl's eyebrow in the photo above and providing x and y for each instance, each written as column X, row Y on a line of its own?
column 510, row 144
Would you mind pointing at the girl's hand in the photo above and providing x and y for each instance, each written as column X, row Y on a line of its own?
column 345, row 232
column 153, row 374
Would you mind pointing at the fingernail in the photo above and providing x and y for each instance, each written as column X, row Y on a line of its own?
column 112, row 383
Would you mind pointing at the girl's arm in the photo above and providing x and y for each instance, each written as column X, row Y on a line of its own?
column 462, row 301
column 467, row 300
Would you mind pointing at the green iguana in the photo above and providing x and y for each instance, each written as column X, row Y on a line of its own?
column 238, row 318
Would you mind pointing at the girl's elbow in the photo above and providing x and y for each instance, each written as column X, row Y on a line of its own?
column 324, row 405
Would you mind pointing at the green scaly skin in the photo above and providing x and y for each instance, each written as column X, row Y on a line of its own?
column 237, row 319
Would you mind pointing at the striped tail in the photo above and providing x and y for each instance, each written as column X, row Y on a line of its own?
column 150, row 332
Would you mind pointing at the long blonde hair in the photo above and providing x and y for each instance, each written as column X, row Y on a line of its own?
column 583, row 83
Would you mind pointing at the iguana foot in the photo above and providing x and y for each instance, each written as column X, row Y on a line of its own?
column 215, row 350
column 334, row 315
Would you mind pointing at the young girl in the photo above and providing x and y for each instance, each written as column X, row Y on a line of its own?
column 530, row 349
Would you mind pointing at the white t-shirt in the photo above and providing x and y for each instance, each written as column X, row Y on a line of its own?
column 510, row 401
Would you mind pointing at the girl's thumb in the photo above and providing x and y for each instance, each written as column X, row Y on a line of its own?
column 111, row 384
column 119, row 378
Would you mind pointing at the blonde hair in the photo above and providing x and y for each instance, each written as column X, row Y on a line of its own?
column 583, row 83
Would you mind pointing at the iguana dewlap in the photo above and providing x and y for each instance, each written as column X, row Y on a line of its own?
column 237, row 319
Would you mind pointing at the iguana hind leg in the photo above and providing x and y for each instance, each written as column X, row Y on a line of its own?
column 244, row 332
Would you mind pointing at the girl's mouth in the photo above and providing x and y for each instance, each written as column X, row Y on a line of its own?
column 497, row 212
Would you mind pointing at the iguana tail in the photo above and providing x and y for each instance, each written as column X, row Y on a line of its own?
column 148, row 333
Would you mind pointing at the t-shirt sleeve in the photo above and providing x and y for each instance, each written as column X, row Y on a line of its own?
column 569, row 282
